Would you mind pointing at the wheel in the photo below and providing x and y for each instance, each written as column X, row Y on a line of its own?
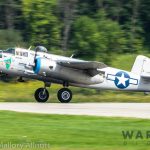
column 41, row 95
column 64, row 95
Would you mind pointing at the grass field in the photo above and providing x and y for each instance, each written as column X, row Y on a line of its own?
column 24, row 92
column 62, row 132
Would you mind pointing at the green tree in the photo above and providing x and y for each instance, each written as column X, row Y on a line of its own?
column 97, row 37
column 41, row 23
column 67, row 10
column 145, row 20
column 7, row 39
column 8, row 13
column 86, row 37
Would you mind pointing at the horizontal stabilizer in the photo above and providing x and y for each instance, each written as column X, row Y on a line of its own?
column 145, row 75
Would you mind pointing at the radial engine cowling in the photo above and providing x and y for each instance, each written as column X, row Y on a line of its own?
column 44, row 66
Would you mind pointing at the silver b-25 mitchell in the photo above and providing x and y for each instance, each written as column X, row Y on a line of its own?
column 50, row 68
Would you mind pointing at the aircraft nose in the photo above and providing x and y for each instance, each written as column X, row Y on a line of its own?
column 1, row 61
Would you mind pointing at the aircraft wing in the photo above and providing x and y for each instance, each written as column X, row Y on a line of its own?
column 91, row 67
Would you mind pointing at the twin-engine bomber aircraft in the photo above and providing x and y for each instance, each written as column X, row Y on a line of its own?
column 49, row 68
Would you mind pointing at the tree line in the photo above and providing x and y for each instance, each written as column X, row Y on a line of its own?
column 89, row 28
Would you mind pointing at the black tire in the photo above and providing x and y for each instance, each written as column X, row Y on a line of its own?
column 41, row 95
column 64, row 95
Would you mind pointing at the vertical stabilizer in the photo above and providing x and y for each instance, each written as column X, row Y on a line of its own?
column 140, row 65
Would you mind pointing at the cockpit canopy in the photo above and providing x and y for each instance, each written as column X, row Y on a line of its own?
column 15, row 51
column 10, row 51
column 21, row 52
column 1, row 53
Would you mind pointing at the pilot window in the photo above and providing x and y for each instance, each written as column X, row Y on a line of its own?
column 20, row 53
column 17, row 53
column 25, row 54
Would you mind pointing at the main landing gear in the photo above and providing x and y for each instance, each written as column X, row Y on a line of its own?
column 64, row 95
column 41, row 95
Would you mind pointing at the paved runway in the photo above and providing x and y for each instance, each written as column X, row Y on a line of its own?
column 137, row 110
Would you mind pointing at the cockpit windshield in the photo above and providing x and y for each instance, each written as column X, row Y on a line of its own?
column 10, row 51
column 1, row 53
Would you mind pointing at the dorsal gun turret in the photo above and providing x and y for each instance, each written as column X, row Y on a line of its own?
column 41, row 49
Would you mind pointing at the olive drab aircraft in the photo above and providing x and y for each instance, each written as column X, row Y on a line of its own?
column 49, row 68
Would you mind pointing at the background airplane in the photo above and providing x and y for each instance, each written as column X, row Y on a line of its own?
column 49, row 68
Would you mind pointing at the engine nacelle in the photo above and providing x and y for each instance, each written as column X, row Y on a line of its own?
column 44, row 66
column 48, row 68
